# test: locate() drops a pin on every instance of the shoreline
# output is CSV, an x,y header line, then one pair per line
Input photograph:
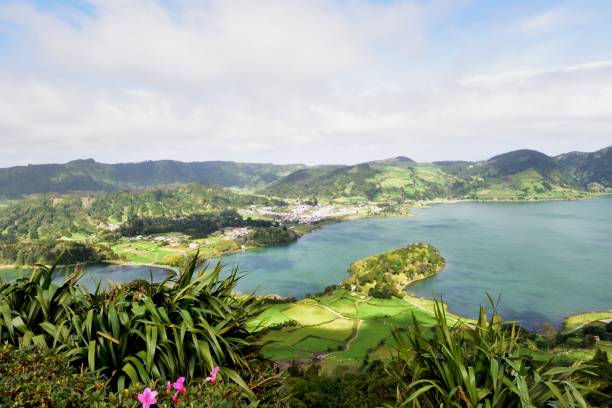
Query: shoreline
x,y
421,204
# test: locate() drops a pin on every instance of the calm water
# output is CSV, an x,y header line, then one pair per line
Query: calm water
x,y
547,260
100,272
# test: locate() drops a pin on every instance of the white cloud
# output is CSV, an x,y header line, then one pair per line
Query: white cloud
x,y
283,81
549,20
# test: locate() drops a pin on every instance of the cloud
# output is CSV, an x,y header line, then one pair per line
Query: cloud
x,y
549,20
284,81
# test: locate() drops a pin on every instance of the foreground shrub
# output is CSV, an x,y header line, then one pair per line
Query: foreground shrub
x,y
479,366
186,325
31,377
369,387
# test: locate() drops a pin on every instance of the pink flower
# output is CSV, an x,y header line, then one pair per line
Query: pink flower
x,y
168,386
179,385
147,398
213,376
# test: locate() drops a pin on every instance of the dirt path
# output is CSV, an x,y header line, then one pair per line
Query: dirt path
x,y
354,334
334,312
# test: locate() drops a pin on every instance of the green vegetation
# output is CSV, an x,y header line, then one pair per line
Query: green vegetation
x,y
88,175
147,252
575,321
46,252
388,274
262,237
519,175
447,362
339,328
89,228
64,346
194,225
32,377
101,215
367,182
457,365
137,333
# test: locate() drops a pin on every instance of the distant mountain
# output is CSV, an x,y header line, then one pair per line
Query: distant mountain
x,y
379,180
589,169
89,175
521,174
517,161
396,161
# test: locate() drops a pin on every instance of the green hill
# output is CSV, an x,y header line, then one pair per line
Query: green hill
x,y
52,216
389,273
377,181
91,176
521,174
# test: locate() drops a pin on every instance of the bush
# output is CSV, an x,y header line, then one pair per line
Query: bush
x,y
185,325
483,365
370,387
32,377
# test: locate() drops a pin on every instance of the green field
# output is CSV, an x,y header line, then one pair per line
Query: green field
x,y
146,252
153,252
346,329
575,321
338,329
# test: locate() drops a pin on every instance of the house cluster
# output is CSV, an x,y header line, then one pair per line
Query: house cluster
x,y
172,241
304,213
233,233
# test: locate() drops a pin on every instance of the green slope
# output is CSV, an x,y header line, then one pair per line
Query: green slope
x,y
399,178
88,175
53,216
522,174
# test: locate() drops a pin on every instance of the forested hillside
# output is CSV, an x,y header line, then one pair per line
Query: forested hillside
x,y
518,175
522,174
52,216
91,176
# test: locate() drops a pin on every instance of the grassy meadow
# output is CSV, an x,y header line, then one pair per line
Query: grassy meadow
x,y
338,329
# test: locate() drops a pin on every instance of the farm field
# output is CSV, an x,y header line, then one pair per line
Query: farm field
x,y
575,321
338,329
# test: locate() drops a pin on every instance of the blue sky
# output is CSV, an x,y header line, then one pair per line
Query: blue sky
x,y
312,81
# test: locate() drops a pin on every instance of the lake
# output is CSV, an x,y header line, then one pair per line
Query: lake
x,y
547,259
102,272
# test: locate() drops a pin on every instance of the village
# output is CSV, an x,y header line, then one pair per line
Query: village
x,y
309,214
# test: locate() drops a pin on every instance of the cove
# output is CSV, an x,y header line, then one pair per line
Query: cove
x,y
102,272
547,260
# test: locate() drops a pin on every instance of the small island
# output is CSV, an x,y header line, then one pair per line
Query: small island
x,y
386,275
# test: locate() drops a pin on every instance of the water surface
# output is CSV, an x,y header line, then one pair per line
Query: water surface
x,y
547,260
99,272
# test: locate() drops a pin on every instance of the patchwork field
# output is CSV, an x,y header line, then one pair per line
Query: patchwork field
x,y
574,322
338,329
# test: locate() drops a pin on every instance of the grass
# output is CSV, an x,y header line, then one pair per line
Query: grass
x,y
152,252
567,353
309,314
340,328
577,320
270,317
143,251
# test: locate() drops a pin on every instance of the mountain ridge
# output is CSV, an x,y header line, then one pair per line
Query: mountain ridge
x,y
402,176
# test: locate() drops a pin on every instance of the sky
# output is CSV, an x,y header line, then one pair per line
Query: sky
x,y
302,81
